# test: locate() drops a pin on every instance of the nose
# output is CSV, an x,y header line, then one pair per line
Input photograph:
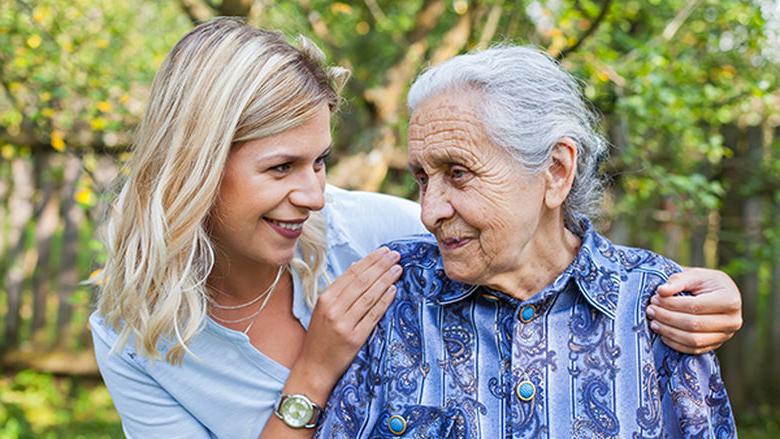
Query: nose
x,y
309,193
436,206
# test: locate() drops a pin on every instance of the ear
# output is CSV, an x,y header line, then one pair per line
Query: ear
x,y
560,174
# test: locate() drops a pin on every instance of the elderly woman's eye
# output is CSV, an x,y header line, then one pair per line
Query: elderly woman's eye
x,y
421,178
458,173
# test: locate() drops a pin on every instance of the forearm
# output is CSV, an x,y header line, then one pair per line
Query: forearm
x,y
308,379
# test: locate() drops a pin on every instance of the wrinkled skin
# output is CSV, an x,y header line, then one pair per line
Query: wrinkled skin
x,y
496,223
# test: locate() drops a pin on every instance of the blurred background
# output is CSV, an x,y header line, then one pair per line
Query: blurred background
x,y
688,90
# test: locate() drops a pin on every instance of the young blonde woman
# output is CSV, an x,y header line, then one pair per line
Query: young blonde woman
x,y
237,283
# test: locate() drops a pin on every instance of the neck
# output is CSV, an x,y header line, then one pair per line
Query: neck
x,y
552,249
236,280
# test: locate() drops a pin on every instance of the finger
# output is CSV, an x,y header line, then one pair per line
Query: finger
x,y
361,281
372,317
349,276
690,340
691,323
714,303
365,301
689,279
686,350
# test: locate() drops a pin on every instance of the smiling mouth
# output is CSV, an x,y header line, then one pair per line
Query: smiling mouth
x,y
454,243
292,226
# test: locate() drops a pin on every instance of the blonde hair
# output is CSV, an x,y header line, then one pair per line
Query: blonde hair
x,y
223,83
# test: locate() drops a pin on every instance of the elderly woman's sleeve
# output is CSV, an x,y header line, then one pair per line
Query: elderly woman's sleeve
x,y
353,405
695,399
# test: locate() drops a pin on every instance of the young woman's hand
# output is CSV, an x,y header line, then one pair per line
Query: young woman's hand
x,y
702,321
341,322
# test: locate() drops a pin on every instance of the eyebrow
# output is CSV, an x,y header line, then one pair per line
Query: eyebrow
x,y
290,157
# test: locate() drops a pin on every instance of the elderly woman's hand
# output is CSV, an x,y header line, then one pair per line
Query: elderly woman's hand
x,y
702,321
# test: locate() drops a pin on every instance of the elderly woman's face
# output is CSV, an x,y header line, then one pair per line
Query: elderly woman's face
x,y
481,205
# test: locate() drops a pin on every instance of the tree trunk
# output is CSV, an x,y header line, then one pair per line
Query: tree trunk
x,y
20,209
753,357
47,224
774,289
730,225
69,276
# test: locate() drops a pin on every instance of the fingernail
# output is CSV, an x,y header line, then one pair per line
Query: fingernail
x,y
396,269
391,255
655,326
650,311
392,289
655,300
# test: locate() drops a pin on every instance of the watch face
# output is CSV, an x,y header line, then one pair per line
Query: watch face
x,y
296,411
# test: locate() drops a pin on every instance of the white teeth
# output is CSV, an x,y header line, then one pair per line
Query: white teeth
x,y
288,226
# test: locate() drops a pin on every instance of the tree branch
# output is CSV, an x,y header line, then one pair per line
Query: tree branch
x,y
425,20
235,8
594,25
196,11
491,25
671,29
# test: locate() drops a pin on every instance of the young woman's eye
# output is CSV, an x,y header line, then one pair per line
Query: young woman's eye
x,y
284,168
321,161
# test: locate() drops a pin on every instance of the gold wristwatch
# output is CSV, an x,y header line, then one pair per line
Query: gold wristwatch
x,y
297,411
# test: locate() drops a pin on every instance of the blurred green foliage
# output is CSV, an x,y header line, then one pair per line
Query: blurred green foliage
x,y
39,405
672,79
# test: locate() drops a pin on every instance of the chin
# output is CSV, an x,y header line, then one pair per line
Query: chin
x,y
461,272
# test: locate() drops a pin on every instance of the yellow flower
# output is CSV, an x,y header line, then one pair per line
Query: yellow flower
x,y
104,106
7,152
57,140
98,123
341,8
34,41
83,196
41,13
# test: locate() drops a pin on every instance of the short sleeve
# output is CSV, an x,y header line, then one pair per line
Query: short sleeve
x,y
146,409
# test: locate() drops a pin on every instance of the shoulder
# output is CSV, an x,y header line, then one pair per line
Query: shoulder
x,y
366,219
619,279
419,250
628,261
424,278
101,331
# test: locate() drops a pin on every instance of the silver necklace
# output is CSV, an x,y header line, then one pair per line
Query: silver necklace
x,y
253,301
266,294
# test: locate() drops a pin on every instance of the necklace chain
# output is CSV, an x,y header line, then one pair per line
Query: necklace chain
x,y
256,299
264,295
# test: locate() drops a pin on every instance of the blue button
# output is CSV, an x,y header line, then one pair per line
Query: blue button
x,y
396,424
527,313
525,390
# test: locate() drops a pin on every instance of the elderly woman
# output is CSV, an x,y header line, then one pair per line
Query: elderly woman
x,y
517,319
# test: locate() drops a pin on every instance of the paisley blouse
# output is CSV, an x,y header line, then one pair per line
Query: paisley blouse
x,y
577,359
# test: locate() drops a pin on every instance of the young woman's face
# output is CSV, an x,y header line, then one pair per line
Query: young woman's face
x,y
270,187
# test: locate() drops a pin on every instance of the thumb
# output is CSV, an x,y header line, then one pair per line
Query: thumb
x,y
685,280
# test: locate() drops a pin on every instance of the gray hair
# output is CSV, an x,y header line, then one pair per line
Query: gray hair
x,y
530,103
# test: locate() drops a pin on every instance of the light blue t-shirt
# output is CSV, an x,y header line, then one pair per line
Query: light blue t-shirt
x,y
230,389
